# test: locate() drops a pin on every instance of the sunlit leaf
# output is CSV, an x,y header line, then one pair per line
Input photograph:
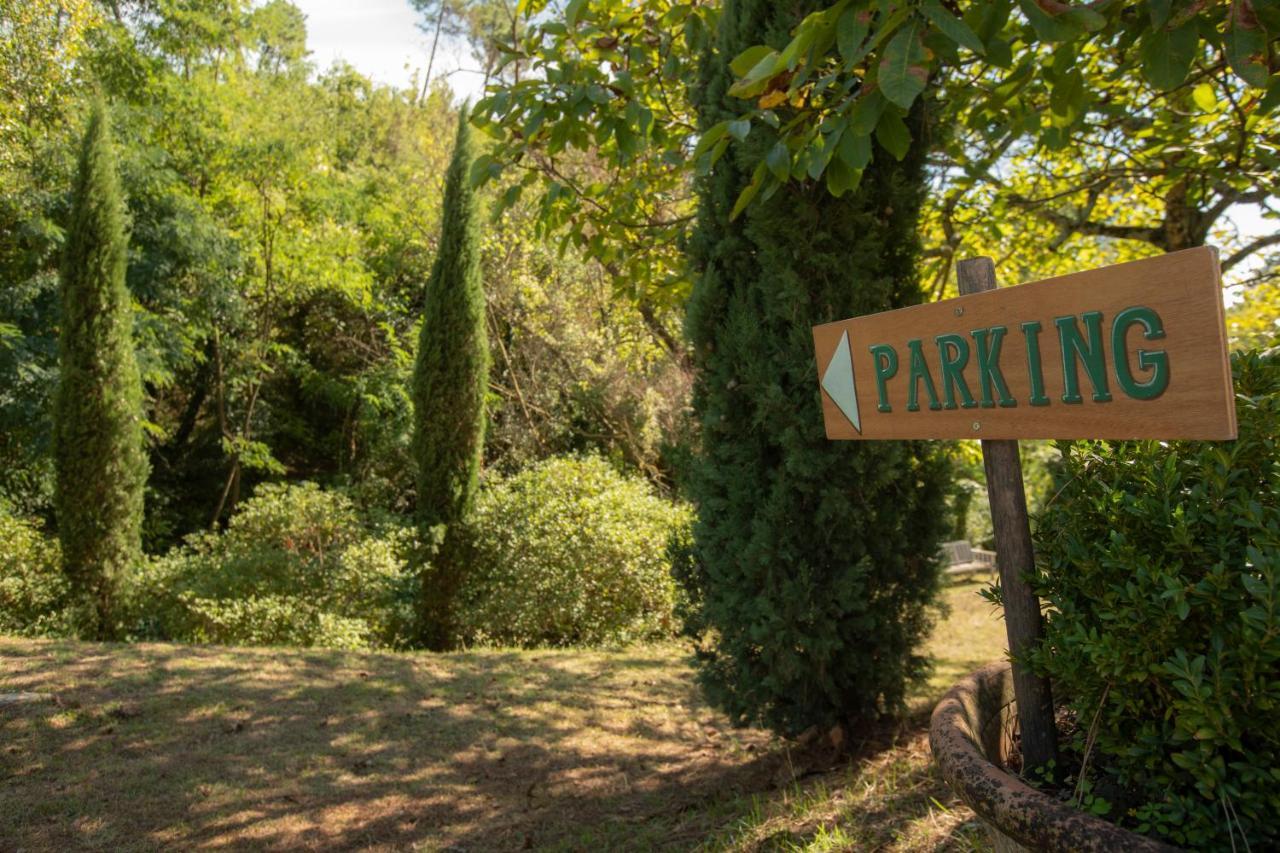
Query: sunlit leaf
x,y
1204,97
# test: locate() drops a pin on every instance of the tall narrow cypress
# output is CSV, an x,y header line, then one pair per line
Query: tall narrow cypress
x,y
100,462
450,380
816,559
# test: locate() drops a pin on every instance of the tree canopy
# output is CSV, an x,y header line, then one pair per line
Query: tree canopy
x,y
1114,129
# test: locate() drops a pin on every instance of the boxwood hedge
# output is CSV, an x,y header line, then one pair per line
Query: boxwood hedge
x,y
1160,569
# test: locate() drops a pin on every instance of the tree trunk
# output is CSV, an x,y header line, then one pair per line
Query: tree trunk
x,y
1184,225
435,41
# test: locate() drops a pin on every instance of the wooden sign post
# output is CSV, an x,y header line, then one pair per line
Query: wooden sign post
x,y
1129,351
1015,561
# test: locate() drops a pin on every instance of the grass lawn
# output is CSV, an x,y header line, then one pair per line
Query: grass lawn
x,y
141,747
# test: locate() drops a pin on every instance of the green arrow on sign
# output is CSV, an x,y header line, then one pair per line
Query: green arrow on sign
x,y
838,382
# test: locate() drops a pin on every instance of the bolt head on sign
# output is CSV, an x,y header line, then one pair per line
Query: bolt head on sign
x,y
1135,350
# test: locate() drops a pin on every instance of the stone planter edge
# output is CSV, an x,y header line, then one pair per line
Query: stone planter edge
x,y
968,738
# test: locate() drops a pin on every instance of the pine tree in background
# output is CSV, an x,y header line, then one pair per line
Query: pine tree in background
x,y
450,380
815,560
100,462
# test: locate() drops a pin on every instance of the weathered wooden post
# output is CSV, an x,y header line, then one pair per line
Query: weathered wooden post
x,y
1015,559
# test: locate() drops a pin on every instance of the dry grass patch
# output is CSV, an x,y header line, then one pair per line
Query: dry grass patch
x,y
144,747
888,796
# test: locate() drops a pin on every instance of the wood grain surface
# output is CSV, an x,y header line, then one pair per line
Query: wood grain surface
x,y
1181,289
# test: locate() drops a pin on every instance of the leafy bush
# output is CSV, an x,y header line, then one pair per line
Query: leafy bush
x,y
568,552
296,566
1161,568
33,590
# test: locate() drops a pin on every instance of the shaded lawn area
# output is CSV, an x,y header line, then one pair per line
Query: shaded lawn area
x,y
140,747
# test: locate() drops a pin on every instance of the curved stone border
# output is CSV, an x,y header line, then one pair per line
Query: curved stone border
x,y
968,735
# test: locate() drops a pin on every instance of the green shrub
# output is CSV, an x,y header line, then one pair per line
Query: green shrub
x,y
570,552
296,566
1161,569
33,590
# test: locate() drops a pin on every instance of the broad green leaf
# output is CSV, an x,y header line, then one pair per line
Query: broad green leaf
x,y
855,149
999,53
628,142
866,113
1049,29
902,72
851,33
757,79
1167,56
1271,100
779,161
893,135
1066,100
639,117
748,192
818,155
739,129
713,135
704,164
1246,49
841,179
511,196
1159,10
749,59
988,19
1086,19
535,121
483,168
572,11
952,27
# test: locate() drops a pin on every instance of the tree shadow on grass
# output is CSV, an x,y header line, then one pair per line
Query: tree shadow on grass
x,y
160,746
164,746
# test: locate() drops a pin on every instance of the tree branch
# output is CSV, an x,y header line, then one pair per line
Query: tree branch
x,y
1249,248
1229,196
1147,233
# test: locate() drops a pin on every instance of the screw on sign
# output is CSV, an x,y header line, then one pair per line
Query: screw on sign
x,y
1129,351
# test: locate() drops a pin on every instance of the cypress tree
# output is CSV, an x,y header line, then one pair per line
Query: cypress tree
x,y
815,560
100,462
450,380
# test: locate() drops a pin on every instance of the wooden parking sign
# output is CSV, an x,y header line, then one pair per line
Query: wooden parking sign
x,y
1135,350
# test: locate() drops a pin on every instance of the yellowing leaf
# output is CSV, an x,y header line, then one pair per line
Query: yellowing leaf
x,y
772,99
